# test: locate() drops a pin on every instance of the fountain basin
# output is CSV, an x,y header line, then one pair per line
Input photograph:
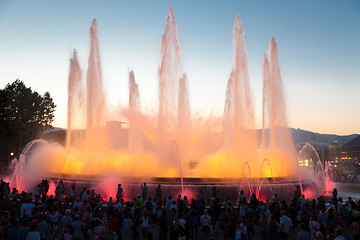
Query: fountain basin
x,y
193,188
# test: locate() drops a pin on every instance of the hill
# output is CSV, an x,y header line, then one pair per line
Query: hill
x,y
319,140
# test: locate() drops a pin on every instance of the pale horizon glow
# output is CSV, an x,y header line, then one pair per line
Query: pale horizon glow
x,y
318,46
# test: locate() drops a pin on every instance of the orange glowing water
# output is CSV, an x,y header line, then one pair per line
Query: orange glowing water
x,y
201,152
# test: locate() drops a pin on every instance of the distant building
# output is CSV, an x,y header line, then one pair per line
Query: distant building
x,y
344,160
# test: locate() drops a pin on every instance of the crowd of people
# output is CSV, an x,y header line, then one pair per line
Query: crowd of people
x,y
73,215
348,177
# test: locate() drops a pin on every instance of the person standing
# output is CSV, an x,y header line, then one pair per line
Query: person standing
x,y
286,225
323,219
297,193
145,224
164,226
276,198
144,191
43,228
263,226
78,227
126,227
14,233
158,193
61,186
303,234
33,234
205,221
334,194
119,194
242,196
213,194
37,192
272,232
223,224
67,220
72,194
26,209
314,226
139,202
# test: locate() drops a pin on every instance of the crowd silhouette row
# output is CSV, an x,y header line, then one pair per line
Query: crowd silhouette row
x,y
73,215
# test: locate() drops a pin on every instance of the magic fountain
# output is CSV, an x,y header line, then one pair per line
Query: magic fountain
x,y
170,145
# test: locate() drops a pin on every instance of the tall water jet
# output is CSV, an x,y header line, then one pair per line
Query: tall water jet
x,y
266,76
228,136
170,72
95,95
135,141
274,103
184,120
279,134
75,98
243,116
274,114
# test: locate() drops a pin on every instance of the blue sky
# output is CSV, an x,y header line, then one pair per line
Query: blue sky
x,y
318,41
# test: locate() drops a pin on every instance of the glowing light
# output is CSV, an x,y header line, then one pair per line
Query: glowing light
x,y
240,156
12,154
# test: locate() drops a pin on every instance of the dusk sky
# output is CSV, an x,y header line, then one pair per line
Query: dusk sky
x,y
318,42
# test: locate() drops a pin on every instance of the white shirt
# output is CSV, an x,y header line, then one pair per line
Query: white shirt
x,y
286,222
145,222
314,227
205,220
26,209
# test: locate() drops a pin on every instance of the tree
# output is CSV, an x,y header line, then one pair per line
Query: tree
x,y
23,115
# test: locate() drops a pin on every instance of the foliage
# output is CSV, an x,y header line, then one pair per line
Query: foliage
x,y
23,115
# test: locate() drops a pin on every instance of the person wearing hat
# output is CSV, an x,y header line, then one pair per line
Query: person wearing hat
x,y
67,220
